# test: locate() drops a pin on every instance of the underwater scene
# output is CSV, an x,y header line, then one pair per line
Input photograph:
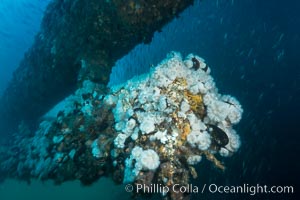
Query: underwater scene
x,y
149,99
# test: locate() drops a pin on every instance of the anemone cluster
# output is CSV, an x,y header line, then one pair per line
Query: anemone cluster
x,y
152,129
171,115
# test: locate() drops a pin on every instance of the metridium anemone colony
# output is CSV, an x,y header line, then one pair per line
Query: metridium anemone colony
x,y
174,112
152,129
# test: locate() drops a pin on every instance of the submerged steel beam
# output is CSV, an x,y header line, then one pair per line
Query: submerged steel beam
x,y
79,40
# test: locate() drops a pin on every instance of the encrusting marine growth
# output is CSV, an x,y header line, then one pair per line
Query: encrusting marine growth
x,y
153,129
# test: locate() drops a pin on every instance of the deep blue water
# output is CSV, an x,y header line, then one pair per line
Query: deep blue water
x,y
252,49
20,21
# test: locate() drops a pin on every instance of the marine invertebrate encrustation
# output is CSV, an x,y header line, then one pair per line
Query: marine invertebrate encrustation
x,y
176,106
152,129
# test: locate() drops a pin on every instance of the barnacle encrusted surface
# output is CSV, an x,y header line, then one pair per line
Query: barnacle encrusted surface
x,y
152,129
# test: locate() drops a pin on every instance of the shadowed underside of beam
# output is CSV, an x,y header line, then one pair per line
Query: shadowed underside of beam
x,y
79,40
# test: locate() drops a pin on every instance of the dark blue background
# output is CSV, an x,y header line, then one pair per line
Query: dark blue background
x,y
19,22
